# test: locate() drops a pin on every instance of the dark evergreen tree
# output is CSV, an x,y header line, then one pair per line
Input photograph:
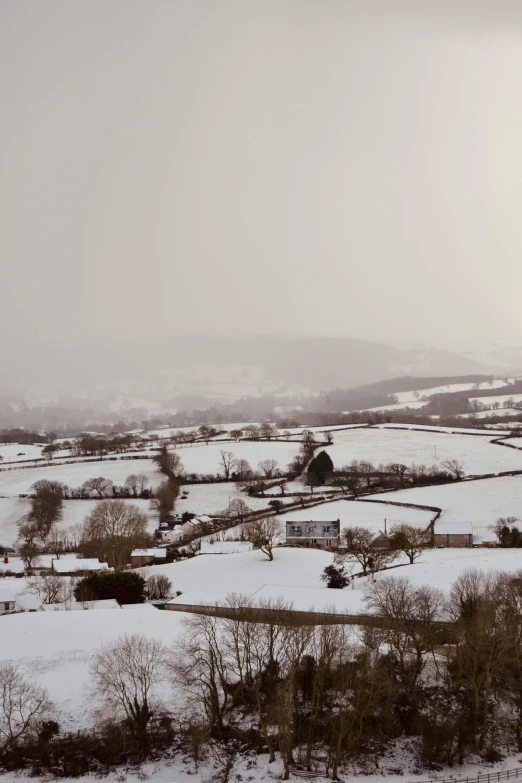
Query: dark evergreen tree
x,y
126,587
321,466
335,576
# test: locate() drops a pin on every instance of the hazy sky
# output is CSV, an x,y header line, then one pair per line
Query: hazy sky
x,y
319,167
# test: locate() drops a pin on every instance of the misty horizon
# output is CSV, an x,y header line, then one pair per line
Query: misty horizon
x,y
278,168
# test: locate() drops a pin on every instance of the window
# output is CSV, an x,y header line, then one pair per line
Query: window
x,y
328,542
7,606
314,541
326,529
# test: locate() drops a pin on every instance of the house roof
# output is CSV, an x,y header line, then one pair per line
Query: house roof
x,y
149,553
6,595
459,528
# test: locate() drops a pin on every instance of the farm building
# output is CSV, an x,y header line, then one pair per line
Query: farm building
x,y
320,534
452,534
224,547
78,567
170,536
11,602
145,557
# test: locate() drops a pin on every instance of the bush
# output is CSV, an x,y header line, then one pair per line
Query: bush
x,y
335,577
126,587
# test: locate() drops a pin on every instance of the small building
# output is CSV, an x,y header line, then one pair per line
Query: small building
x,y
225,547
452,534
71,566
320,534
145,557
12,602
7,602
170,536
381,541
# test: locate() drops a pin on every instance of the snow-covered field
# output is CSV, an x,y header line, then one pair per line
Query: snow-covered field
x,y
17,452
213,498
400,406
18,481
201,458
450,389
481,502
56,649
361,514
380,445
294,575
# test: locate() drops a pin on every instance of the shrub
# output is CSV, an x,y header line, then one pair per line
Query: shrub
x,y
335,576
126,587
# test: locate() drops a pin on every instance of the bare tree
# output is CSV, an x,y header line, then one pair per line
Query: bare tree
x,y
125,677
268,467
159,587
454,467
23,707
200,664
410,540
264,533
112,530
99,484
48,587
237,508
227,460
362,545
243,470
163,499
236,435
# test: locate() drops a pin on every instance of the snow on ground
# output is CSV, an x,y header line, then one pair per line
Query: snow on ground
x,y
353,513
56,649
437,428
18,481
500,412
516,442
294,576
450,389
255,768
246,572
399,406
380,445
74,511
16,452
214,498
201,458
481,502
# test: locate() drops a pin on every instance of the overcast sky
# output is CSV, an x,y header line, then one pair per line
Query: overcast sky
x,y
315,167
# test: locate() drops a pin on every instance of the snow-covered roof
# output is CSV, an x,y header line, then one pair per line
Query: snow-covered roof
x,y
149,553
103,603
6,596
203,518
84,564
224,547
443,528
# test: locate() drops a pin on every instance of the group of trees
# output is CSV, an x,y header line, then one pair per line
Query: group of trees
x,y
362,475
507,532
445,669
372,553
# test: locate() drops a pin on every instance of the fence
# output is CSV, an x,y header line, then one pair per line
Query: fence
x,y
489,777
